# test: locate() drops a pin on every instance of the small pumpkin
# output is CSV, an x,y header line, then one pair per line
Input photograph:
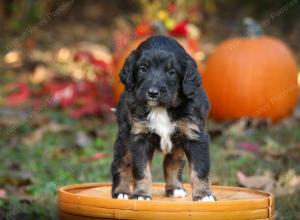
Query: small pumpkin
x,y
191,46
254,77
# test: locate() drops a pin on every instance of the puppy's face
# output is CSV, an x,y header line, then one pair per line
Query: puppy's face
x,y
160,72
157,78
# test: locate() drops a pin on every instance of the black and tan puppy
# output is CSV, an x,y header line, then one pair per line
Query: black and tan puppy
x,y
162,108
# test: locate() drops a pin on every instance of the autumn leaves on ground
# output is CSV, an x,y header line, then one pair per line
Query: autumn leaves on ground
x,y
56,95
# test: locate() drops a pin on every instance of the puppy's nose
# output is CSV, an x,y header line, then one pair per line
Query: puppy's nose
x,y
153,93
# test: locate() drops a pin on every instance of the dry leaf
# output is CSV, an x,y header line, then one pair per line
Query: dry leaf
x,y
3,194
288,183
96,156
250,147
261,182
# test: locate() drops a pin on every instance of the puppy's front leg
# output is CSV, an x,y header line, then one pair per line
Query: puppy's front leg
x,y
197,152
121,168
142,153
173,166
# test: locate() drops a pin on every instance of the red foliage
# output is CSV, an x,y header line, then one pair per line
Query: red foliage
x,y
20,96
142,30
81,98
180,29
84,97
171,7
249,146
62,93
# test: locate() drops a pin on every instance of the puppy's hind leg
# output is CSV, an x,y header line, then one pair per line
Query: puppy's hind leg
x,y
173,167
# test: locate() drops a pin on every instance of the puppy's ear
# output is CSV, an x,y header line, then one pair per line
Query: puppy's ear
x,y
126,74
191,81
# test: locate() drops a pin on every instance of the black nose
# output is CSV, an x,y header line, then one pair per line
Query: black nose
x,y
153,93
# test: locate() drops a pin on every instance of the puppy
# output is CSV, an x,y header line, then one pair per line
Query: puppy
x,y
162,108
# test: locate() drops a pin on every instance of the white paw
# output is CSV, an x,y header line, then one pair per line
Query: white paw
x,y
142,198
179,193
207,199
122,196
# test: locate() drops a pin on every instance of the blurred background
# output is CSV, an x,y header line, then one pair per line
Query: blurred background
x,y
59,81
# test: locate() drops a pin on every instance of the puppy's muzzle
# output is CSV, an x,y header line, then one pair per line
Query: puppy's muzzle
x,y
153,93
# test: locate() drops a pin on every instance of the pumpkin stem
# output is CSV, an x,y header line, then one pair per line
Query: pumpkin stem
x,y
251,28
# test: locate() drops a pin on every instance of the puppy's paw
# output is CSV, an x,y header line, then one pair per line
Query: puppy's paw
x,y
176,193
207,198
137,196
121,196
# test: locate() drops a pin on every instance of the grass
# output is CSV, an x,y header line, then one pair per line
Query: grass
x,y
32,173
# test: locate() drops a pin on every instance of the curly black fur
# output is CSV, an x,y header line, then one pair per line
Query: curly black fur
x,y
160,73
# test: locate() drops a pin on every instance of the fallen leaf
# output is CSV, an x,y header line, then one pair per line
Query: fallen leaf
x,y
250,147
261,182
288,183
3,194
96,156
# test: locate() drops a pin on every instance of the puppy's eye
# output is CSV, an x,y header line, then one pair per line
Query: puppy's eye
x,y
171,72
143,68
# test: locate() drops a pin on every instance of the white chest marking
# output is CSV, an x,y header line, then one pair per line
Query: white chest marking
x,y
160,123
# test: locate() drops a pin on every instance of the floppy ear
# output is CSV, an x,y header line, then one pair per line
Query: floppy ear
x,y
191,80
126,74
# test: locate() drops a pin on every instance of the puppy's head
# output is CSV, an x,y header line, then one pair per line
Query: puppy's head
x,y
160,72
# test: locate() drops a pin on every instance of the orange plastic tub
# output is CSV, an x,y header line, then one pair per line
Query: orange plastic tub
x,y
93,201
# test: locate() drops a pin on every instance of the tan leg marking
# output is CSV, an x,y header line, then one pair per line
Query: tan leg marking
x,y
173,165
125,175
144,186
200,186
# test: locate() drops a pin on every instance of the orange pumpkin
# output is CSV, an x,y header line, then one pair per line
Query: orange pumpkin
x,y
251,77
191,46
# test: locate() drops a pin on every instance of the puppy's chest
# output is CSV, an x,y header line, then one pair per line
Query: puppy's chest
x,y
160,123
